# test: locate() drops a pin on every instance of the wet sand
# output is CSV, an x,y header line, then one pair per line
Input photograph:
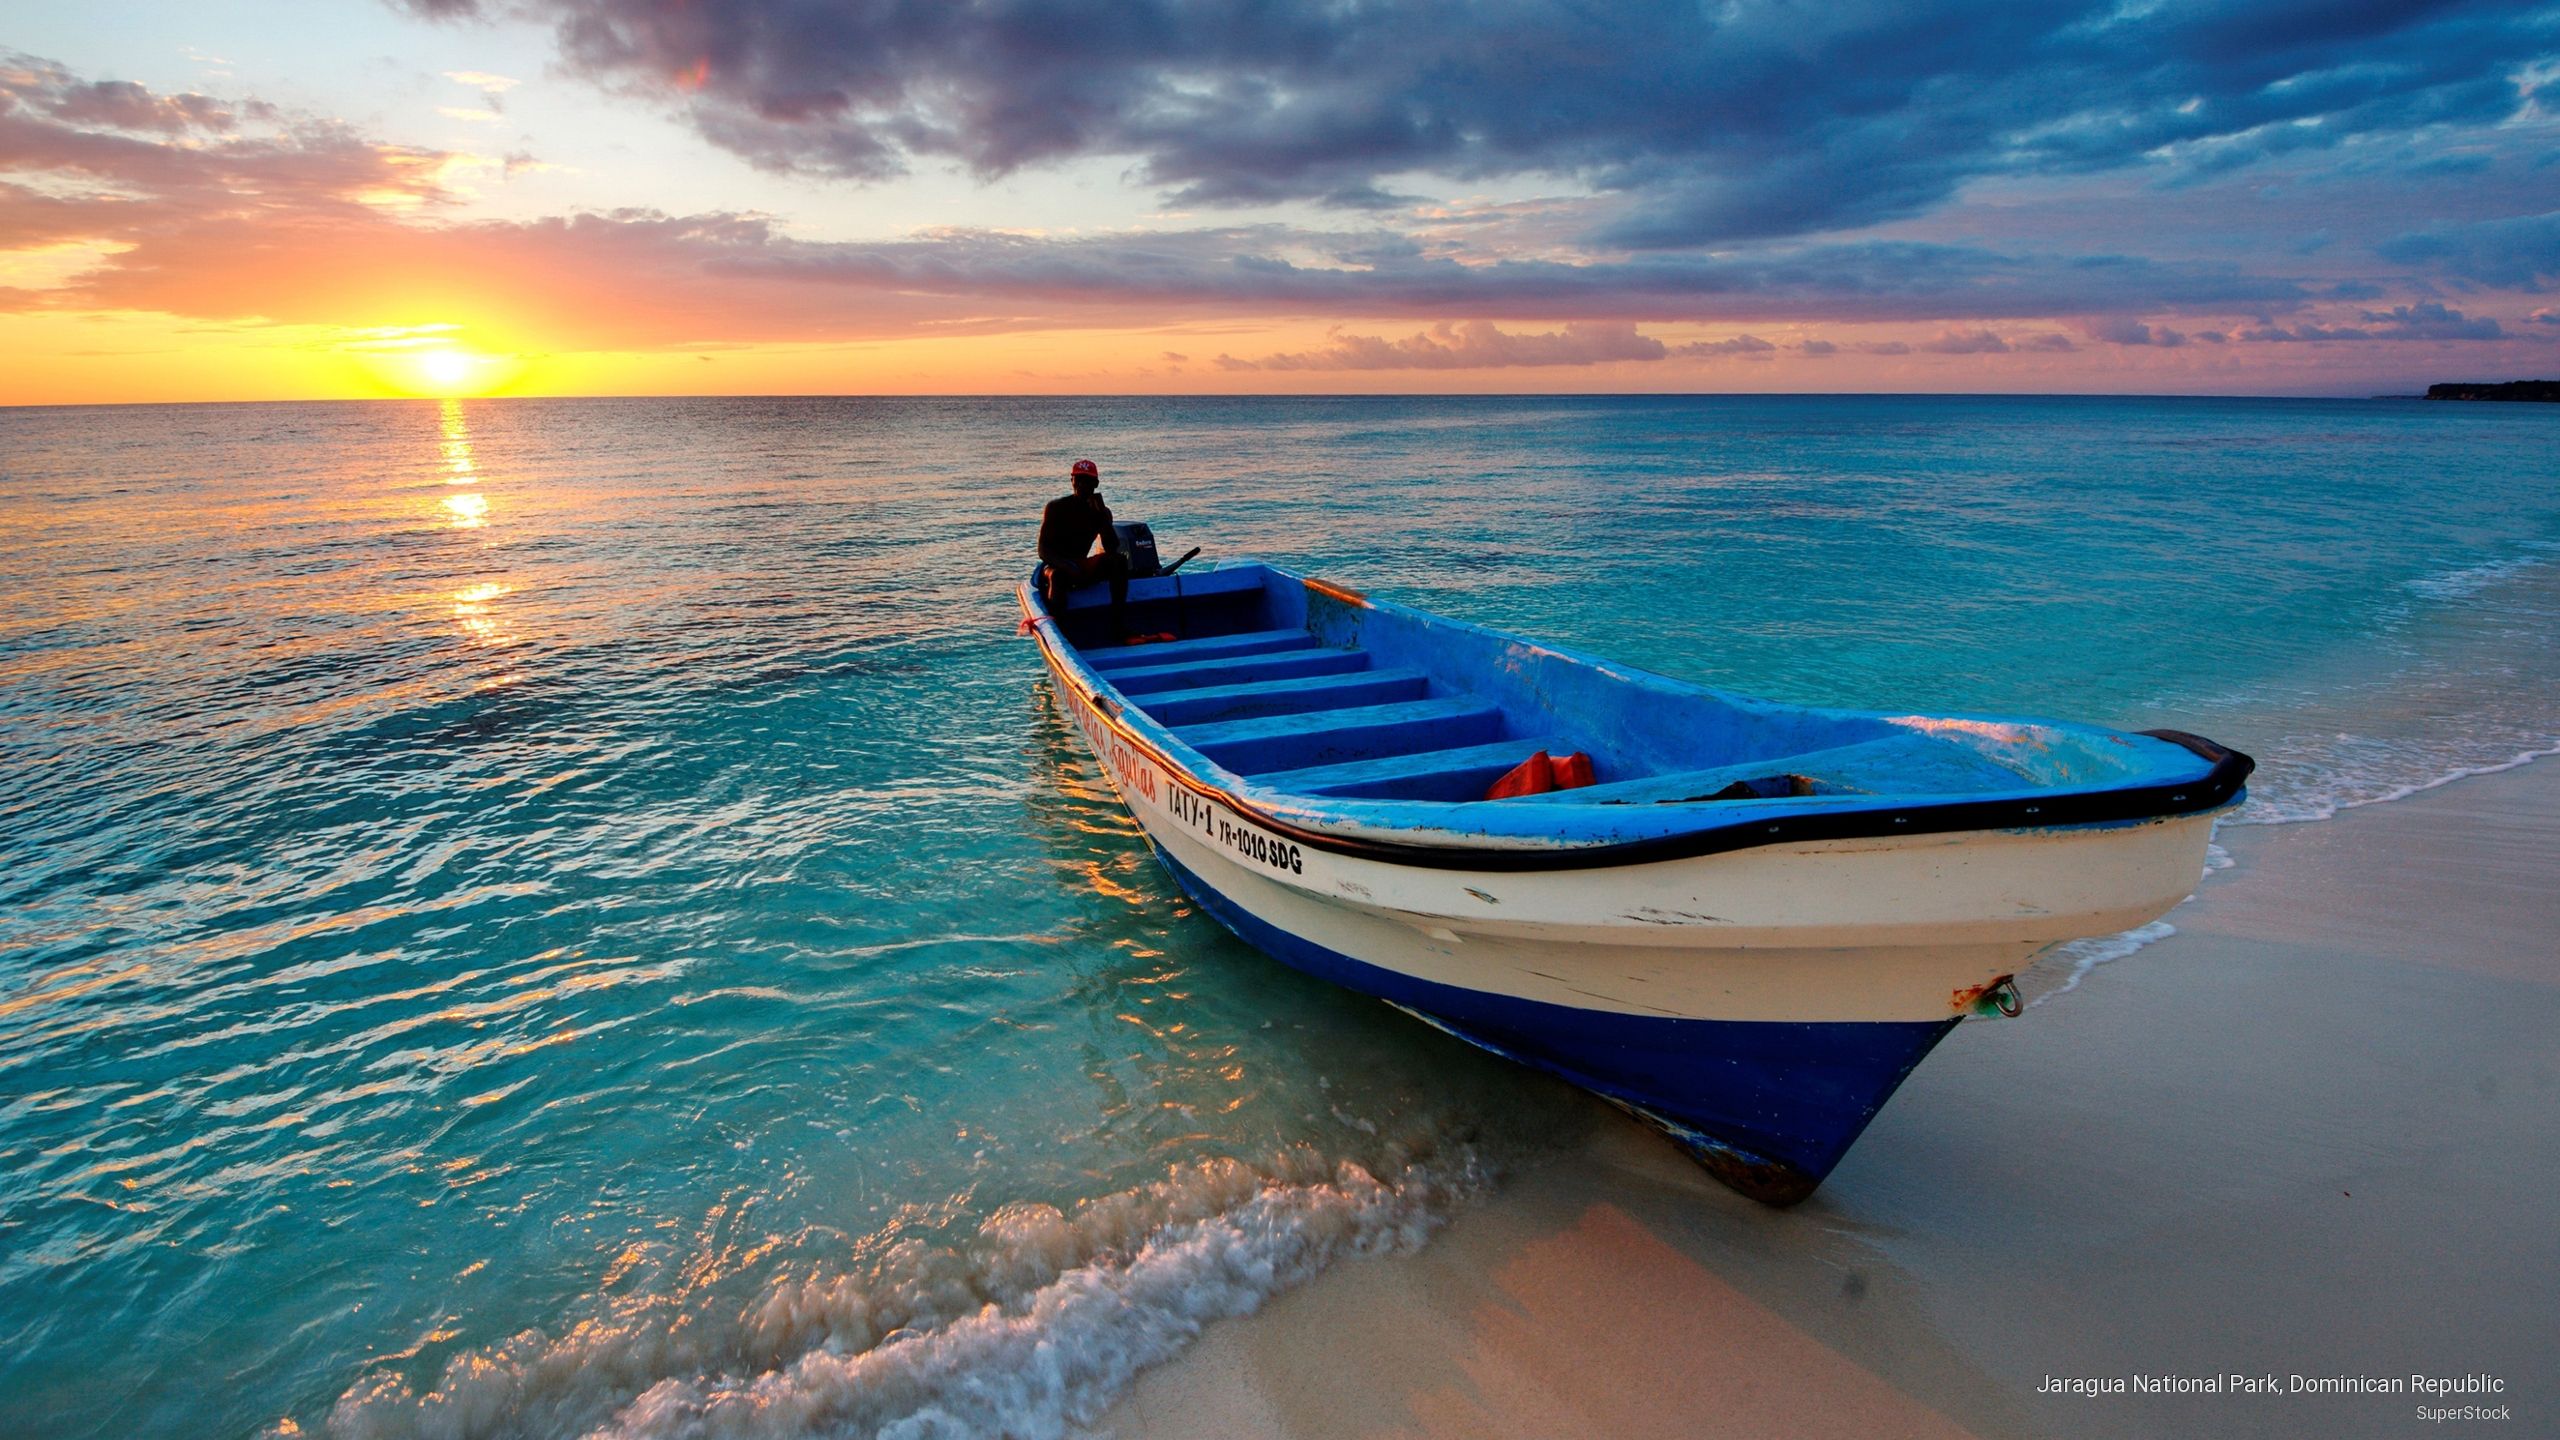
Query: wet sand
x,y
2315,1133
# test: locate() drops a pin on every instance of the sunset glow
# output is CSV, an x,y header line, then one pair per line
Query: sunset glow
x,y
2188,207
440,370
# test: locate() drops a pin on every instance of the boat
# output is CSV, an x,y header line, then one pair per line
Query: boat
x,y
1746,928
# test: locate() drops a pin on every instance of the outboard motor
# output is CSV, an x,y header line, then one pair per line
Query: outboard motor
x,y
1139,544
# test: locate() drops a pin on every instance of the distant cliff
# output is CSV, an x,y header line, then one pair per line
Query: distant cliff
x,y
2510,390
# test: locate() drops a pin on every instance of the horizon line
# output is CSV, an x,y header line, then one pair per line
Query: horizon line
x,y
1280,395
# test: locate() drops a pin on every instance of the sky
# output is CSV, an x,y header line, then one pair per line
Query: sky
x,y
290,199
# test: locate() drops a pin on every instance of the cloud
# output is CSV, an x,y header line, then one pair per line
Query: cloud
x,y
2426,320
2520,253
2121,330
1966,342
31,88
493,96
1749,120
240,212
1748,346
221,225
234,211
1986,342
122,156
2429,320
290,219
1270,267
1469,345
2301,334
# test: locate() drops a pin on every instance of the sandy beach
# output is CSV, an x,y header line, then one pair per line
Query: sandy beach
x,y
2315,1133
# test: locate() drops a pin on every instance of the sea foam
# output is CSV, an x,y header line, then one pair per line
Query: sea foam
x,y
2469,580
2331,784
1029,1331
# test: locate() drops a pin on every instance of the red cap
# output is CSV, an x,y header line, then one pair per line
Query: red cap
x,y
1085,467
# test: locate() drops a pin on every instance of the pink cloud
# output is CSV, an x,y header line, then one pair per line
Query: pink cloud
x,y
1966,342
1749,347
1469,345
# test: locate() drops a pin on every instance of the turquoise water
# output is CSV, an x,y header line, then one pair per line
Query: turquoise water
x,y
550,917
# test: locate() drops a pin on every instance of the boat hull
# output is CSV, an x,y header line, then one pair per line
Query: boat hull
x,y
1756,976
1759,1005
1768,1106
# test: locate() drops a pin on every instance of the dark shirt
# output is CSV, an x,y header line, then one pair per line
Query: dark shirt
x,y
1069,527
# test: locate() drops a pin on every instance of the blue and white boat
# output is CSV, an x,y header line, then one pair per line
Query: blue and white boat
x,y
1748,930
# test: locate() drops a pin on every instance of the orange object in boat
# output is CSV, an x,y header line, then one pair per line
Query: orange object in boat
x,y
1533,776
1572,771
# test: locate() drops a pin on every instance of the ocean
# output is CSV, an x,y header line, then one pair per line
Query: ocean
x,y
561,917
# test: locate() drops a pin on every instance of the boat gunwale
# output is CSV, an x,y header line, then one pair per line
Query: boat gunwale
x,y
2219,787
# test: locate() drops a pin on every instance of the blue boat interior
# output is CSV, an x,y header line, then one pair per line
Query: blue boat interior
x,y
1297,688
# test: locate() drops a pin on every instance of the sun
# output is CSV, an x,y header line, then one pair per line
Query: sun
x,y
448,372
437,361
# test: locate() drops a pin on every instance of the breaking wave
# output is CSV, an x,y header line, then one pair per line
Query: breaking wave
x,y
2470,580
2478,697
2060,970
2332,780
1030,1330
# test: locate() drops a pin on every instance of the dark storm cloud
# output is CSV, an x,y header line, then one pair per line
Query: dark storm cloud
x,y
1749,120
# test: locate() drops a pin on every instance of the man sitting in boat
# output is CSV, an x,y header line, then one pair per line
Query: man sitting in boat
x,y
1068,529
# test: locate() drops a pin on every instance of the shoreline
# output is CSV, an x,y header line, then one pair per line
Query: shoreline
x,y
2313,1133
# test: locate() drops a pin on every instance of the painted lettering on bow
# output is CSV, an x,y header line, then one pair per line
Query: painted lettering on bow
x,y
1129,770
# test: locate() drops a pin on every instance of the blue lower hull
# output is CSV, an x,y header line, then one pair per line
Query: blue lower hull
x,y
1768,1107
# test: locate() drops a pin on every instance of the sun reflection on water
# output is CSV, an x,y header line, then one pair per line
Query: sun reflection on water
x,y
469,511
472,609
476,608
